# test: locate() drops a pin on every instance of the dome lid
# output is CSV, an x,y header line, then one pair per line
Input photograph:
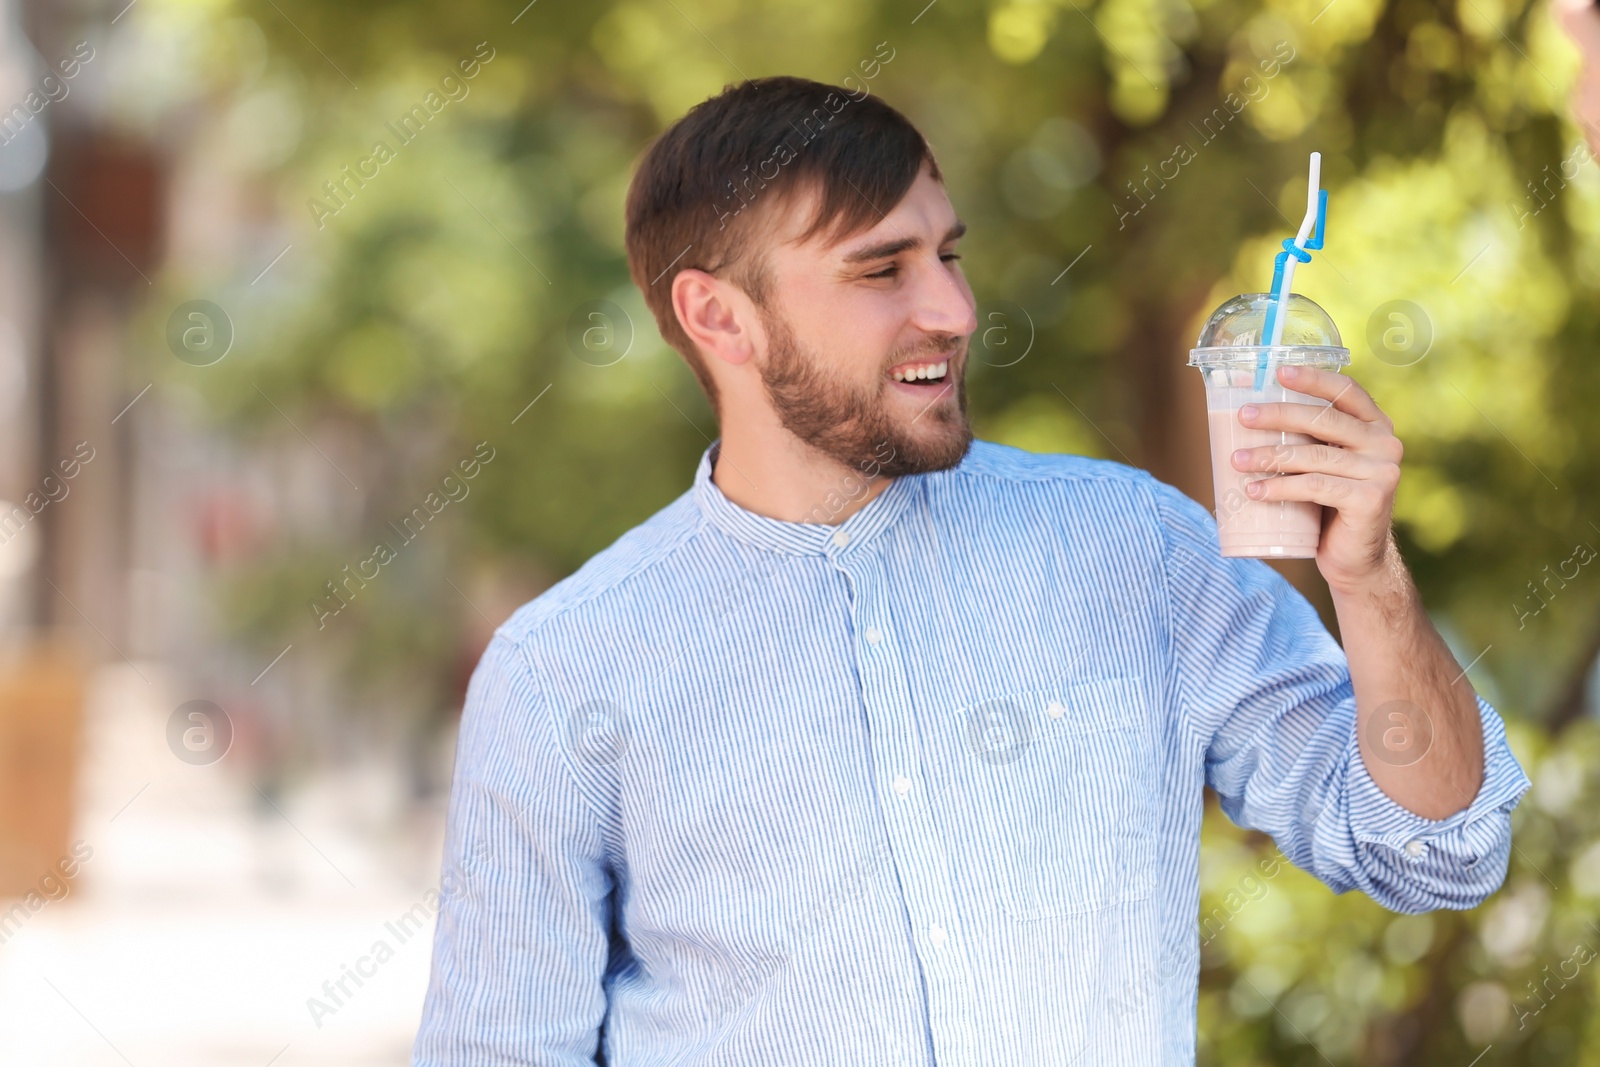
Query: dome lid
x,y
1308,332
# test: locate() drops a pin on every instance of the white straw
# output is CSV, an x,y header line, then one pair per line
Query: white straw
x,y
1306,226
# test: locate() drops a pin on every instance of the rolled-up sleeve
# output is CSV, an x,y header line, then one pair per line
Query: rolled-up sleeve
x,y
1436,863
1266,692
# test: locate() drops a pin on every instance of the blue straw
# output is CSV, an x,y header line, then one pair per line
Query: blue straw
x,y
1280,299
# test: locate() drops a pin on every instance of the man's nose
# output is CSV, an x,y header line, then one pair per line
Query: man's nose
x,y
945,305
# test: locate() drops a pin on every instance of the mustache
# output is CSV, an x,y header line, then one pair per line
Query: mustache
x,y
948,344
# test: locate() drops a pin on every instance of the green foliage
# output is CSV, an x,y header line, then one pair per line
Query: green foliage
x,y
1293,975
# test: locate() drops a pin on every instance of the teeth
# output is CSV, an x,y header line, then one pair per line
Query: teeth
x,y
917,374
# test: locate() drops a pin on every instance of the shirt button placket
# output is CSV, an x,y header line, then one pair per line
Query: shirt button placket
x,y
919,857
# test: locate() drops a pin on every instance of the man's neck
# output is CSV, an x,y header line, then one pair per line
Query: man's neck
x,y
787,479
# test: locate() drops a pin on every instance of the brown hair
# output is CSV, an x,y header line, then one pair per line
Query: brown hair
x,y
757,143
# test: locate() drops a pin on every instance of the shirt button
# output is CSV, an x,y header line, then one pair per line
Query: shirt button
x,y
902,784
1415,848
936,935
840,538
873,635
1054,709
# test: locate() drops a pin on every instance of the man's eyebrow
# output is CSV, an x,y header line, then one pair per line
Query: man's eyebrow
x,y
885,249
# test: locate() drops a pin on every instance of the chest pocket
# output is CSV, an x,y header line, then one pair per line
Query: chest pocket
x,y
1061,792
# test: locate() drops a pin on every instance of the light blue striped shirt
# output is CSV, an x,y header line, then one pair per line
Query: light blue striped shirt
x,y
922,787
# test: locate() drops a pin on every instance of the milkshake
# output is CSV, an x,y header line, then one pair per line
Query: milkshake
x,y
1228,355
1287,529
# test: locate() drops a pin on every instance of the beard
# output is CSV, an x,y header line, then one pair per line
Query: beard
x,y
854,428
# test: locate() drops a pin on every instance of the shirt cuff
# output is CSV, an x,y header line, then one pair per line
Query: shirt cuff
x,y
1376,818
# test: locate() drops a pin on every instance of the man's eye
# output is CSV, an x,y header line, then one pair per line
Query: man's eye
x,y
891,271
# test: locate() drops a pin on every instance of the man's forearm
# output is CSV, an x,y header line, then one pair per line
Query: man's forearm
x,y
1416,714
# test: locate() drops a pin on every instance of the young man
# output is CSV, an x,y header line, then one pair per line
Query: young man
x,y
884,746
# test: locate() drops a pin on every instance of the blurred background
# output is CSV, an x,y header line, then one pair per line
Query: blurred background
x,y
318,356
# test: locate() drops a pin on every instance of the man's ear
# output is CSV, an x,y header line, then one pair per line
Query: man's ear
x,y
716,315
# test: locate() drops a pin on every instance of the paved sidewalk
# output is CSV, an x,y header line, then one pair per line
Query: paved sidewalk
x,y
205,919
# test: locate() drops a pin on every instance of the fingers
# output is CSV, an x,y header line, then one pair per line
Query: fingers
x,y
1358,499
1317,458
1356,471
1314,420
1345,392
1327,424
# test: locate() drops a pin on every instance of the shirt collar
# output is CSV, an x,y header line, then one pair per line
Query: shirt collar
x,y
802,538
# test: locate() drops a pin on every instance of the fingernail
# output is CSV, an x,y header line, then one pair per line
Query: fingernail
x,y
1248,411
1241,455
1254,488
1290,372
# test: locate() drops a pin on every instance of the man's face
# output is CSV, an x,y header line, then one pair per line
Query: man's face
x,y
867,339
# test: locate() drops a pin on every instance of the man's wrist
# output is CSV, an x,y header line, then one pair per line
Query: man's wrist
x,y
1389,582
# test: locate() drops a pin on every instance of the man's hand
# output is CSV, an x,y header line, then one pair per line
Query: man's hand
x,y
1407,684
1355,473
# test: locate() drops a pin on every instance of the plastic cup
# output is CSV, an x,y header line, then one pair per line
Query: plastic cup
x,y
1227,357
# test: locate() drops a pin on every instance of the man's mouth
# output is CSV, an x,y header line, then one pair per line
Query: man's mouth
x,y
924,372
